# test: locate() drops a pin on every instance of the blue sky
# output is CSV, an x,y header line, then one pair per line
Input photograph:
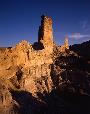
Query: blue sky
x,y
20,20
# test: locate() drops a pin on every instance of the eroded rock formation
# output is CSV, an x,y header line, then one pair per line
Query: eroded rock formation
x,y
7,104
45,33
65,46
30,72
30,67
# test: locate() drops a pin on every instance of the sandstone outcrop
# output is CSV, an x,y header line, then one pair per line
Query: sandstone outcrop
x,y
7,104
45,33
30,68
65,46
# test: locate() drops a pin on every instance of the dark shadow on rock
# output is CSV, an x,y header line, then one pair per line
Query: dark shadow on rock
x,y
67,103
55,102
72,93
72,72
28,104
38,46
83,50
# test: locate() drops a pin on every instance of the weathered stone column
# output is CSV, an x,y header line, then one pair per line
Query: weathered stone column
x,y
45,33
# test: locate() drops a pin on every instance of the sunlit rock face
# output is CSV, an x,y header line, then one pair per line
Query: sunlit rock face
x,y
7,104
45,33
30,67
65,46
26,64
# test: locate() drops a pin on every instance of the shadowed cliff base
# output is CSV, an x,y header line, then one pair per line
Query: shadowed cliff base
x,y
27,103
38,46
56,102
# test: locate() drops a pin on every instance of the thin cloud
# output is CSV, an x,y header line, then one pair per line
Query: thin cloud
x,y
85,25
79,36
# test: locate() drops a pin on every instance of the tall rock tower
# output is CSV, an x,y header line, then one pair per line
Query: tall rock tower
x,y
65,46
66,42
45,33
